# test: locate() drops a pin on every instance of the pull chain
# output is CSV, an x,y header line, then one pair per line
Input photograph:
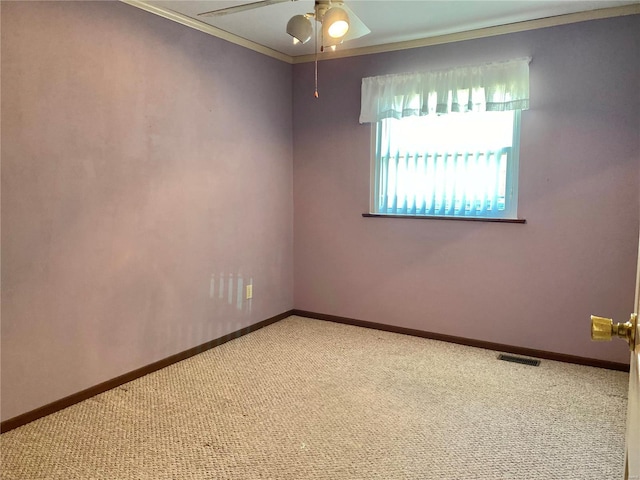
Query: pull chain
x,y
316,62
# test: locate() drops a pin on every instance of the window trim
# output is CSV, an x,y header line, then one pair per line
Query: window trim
x,y
464,219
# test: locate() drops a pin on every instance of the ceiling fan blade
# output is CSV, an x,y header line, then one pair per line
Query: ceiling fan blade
x,y
242,8
357,28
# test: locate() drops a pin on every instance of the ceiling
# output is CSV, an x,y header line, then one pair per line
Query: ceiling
x,y
390,21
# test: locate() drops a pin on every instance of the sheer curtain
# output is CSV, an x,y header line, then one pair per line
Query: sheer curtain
x,y
490,87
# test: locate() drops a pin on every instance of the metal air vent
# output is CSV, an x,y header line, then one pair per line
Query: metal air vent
x,y
525,361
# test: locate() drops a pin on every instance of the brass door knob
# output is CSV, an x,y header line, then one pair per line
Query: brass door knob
x,y
603,329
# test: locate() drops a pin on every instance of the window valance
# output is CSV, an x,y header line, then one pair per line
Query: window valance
x,y
489,87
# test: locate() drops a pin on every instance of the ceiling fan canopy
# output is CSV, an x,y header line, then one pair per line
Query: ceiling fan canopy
x,y
338,21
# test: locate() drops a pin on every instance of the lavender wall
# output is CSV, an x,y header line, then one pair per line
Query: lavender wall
x,y
147,168
140,160
531,285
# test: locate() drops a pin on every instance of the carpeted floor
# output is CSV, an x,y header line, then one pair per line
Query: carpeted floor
x,y
307,399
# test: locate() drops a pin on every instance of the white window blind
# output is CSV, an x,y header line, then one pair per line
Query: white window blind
x,y
454,165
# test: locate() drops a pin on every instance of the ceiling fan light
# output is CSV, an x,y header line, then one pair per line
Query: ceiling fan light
x,y
336,22
300,28
338,29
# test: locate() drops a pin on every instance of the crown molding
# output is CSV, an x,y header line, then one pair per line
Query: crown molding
x,y
569,18
209,29
479,33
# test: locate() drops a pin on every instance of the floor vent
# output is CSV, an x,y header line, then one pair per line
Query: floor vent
x,y
525,361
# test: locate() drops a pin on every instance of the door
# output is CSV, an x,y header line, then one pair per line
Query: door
x,y
632,457
604,329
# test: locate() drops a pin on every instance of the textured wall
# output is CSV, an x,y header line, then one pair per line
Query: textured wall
x,y
531,285
141,162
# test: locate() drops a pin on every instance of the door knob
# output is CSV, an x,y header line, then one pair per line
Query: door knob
x,y
603,329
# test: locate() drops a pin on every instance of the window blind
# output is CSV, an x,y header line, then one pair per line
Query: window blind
x,y
444,183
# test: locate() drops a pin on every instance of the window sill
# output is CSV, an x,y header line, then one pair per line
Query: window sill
x,y
464,219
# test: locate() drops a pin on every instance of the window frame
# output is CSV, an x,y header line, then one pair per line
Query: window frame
x,y
509,215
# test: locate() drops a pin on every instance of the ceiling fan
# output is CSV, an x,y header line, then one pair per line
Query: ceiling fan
x,y
338,21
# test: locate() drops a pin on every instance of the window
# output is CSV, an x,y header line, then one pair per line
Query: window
x,y
446,143
463,165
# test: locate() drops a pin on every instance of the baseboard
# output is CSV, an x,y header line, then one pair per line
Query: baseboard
x,y
72,399
530,352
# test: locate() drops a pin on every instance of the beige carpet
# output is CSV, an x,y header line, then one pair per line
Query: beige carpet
x,y
307,399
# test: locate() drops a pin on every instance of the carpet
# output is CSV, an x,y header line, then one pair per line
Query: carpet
x,y
309,399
